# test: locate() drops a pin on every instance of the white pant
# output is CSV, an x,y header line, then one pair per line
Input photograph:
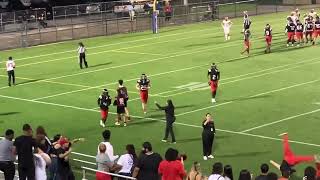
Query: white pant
x,y
226,30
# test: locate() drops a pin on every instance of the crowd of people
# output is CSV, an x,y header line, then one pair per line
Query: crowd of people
x,y
40,158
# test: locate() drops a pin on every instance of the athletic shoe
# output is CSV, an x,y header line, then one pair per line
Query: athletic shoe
x,y
102,124
205,158
213,100
292,45
124,124
164,140
210,157
145,113
283,134
288,45
117,124
174,142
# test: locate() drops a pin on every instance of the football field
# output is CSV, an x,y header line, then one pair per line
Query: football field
x,y
259,97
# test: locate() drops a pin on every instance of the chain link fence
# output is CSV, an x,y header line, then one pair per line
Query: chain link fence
x,y
22,29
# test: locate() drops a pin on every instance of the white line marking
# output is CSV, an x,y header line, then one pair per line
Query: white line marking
x,y
260,94
160,120
282,120
133,52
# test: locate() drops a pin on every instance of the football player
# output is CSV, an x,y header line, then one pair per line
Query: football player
x,y
213,76
143,85
226,25
290,30
104,102
316,31
299,32
268,36
246,38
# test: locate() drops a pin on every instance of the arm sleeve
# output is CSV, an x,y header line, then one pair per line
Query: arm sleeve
x,y
98,101
161,108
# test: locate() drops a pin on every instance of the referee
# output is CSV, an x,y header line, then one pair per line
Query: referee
x,y
208,136
82,55
10,65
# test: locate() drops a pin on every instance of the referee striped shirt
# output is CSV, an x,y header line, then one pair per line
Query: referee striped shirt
x,y
81,49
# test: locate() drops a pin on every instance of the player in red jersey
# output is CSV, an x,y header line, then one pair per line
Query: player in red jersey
x,y
104,102
143,85
120,102
268,35
316,31
290,30
213,76
299,32
246,35
290,159
308,29
123,90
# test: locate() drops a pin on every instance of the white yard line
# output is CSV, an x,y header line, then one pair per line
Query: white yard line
x,y
228,82
160,120
260,94
281,120
212,29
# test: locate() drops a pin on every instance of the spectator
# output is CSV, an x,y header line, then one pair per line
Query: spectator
x,y
285,174
131,11
43,142
195,172
104,164
272,176
106,136
53,168
23,147
168,11
310,173
245,175
217,171
148,164
172,168
41,161
264,171
126,162
317,160
64,169
227,172
6,156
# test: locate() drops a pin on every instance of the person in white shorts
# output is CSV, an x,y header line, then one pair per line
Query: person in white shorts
x,y
226,25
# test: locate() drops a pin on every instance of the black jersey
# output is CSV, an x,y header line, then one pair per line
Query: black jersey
x,y
309,26
268,31
120,101
214,74
291,27
123,90
300,27
104,102
144,84
317,25
246,35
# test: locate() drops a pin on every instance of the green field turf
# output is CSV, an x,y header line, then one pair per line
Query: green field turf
x,y
271,93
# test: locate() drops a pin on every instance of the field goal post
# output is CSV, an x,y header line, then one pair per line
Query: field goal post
x,y
155,27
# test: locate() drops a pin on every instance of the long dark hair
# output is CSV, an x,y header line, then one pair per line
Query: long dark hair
x,y
131,150
228,172
170,104
244,175
81,44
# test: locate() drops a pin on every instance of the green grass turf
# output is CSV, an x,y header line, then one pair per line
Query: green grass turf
x,y
253,91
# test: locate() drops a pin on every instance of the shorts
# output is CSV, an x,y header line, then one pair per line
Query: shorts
x,y
104,113
214,86
316,33
226,30
290,35
247,44
269,40
299,35
144,96
121,110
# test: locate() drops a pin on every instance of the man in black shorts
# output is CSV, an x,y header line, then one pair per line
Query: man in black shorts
x,y
120,102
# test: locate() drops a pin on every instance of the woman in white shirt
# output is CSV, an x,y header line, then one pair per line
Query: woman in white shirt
x,y
126,162
41,161
82,55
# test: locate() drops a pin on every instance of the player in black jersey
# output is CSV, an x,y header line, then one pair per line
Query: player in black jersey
x,y
308,29
246,40
316,32
268,36
123,90
213,76
104,102
143,85
120,102
299,32
290,30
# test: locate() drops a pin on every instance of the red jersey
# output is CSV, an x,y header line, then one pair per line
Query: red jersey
x,y
291,27
171,170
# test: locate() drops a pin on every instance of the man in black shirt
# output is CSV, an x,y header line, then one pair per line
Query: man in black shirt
x,y
264,172
64,168
148,164
23,147
104,102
